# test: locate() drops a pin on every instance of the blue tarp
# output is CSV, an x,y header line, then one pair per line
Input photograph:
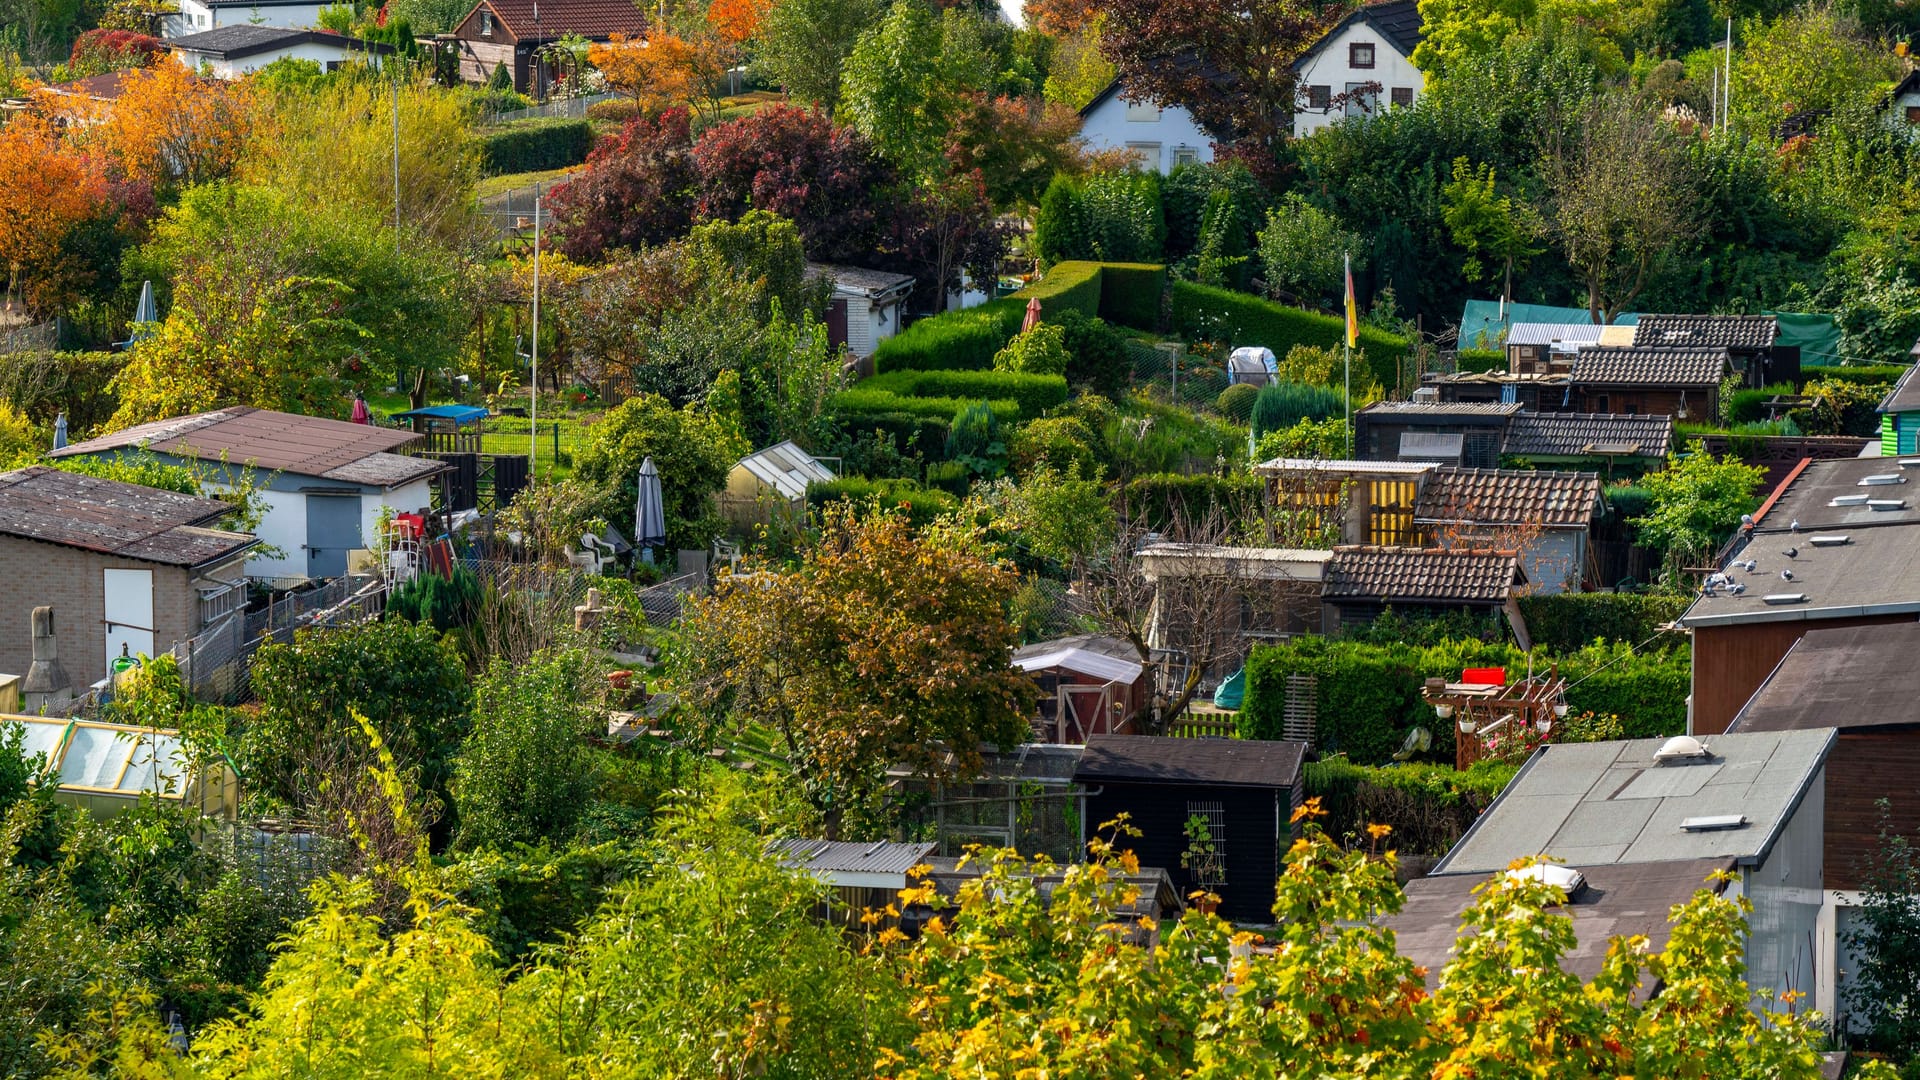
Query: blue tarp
x,y
459,414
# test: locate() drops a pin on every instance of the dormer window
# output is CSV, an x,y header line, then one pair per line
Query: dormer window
x,y
1360,54
486,23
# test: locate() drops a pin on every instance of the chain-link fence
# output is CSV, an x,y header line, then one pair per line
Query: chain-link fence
x,y
1171,374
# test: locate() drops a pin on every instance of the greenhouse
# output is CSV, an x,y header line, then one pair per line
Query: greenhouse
x,y
107,767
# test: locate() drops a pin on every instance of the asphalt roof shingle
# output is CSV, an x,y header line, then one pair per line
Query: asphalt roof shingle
x,y
1582,434
1707,331
1850,677
276,441
87,512
1422,575
1509,497
1606,365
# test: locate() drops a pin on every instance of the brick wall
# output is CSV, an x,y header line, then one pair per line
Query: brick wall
x,y
33,574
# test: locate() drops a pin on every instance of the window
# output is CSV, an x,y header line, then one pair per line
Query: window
x,y
1913,114
1207,868
1147,152
1402,96
1186,155
1600,404
1363,99
1143,112
486,24
1320,97
1360,54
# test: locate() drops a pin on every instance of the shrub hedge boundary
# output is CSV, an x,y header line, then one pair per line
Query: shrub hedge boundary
x,y
1200,310
1124,293
1032,394
531,145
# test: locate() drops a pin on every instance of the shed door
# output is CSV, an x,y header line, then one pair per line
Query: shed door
x,y
837,323
333,529
128,613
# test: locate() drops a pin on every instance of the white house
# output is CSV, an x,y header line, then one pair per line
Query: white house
x,y
324,482
233,51
194,16
1161,137
867,305
1360,66
1902,105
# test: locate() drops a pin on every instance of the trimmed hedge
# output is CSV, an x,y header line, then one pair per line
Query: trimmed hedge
x,y
956,341
908,432
860,403
1479,361
1429,806
1032,394
1068,286
1131,294
1368,695
923,504
1161,497
1199,311
529,145
1568,622
1860,374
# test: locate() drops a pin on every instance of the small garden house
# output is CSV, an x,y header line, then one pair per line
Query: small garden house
x,y
769,483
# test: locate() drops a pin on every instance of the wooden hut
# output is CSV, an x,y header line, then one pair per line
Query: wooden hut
x,y
1090,684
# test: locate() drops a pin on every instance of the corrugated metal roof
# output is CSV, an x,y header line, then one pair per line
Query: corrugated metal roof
x,y
1422,575
58,507
1596,804
840,856
1537,333
1235,762
1262,564
264,439
1431,446
1509,497
1341,467
1102,658
786,469
1398,409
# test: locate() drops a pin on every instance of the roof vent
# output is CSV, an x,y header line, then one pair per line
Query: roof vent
x,y
1847,500
1910,463
1714,823
1681,748
1886,504
1877,479
1779,598
1565,878
1830,540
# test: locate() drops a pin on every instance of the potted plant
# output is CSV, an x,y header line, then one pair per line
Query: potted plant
x,y
1201,860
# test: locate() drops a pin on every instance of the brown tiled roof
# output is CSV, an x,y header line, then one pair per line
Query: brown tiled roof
x,y
107,516
1242,762
558,18
276,441
1508,497
1422,575
1577,434
1706,331
1603,365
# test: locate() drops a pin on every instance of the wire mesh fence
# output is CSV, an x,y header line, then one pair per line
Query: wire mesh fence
x,y
1169,373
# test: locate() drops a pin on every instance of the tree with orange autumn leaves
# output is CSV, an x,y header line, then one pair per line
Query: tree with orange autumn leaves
x,y
168,127
46,190
668,69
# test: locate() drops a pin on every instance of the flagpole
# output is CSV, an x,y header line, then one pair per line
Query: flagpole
x,y
1347,398
533,402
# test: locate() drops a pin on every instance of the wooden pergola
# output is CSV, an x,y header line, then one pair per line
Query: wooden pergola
x,y
1485,714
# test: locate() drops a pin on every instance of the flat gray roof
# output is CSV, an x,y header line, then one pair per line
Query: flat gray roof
x,y
1599,804
1873,572
1810,498
1849,678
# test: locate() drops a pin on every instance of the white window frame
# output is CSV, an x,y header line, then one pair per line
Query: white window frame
x,y
1143,112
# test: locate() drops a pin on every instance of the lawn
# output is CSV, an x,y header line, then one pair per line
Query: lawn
x,y
490,186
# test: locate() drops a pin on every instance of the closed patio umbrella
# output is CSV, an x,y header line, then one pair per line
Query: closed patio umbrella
x,y
649,512
1033,315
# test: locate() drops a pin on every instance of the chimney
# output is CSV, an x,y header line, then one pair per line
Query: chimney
x,y
46,687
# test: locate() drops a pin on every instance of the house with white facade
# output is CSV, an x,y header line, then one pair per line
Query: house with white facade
x,y
1361,66
193,16
1161,137
231,52
324,483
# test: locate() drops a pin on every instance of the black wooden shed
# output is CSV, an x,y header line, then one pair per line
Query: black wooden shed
x,y
1244,789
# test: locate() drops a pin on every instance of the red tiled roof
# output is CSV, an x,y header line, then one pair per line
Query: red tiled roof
x,y
536,20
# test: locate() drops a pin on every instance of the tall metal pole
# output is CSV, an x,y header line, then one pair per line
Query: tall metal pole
x,y
1726,97
533,411
396,159
1346,337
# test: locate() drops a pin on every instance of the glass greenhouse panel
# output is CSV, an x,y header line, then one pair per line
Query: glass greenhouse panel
x,y
95,758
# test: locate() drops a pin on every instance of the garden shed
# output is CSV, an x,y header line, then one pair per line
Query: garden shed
x,y
770,482
1022,798
1243,791
106,768
867,308
1090,684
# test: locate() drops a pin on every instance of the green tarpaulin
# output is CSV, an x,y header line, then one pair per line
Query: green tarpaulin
x,y
1482,326
1232,692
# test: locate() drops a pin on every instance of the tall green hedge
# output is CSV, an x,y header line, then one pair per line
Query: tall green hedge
x,y
1567,622
1068,286
1479,361
1131,293
860,404
908,432
1368,695
1429,806
955,341
1031,394
1159,498
923,504
530,145
1204,311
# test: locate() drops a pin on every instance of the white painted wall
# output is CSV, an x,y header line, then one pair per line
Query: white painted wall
x,y
1329,68
195,16
867,324
321,54
406,499
282,526
1783,946
1162,137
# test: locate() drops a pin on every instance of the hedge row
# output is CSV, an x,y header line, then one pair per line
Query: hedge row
x,y
1429,806
923,504
1568,622
1160,498
1368,695
1124,293
1479,361
1860,374
1200,311
1032,394
529,145
907,431
860,403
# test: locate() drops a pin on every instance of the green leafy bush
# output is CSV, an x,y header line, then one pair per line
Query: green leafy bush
x,y
923,504
1429,807
530,145
862,405
1096,353
1236,401
1064,442
951,477
1322,439
1747,405
1566,622
524,774
907,433
1039,351
42,385
1202,312
1479,361
1280,406
1161,498
1863,374
442,602
1110,216
975,433
956,341
1031,394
